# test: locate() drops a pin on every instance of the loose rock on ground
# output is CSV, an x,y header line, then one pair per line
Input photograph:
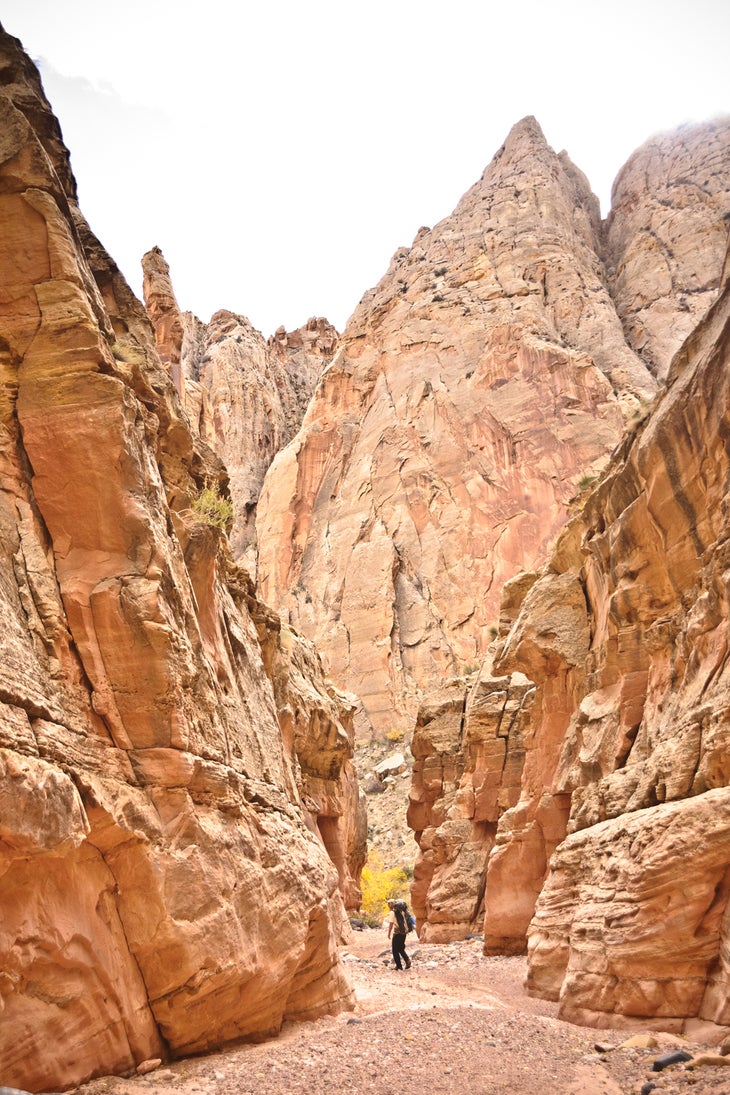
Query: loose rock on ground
x,y
456,1021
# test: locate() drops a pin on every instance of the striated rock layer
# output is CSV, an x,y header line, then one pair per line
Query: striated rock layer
x,y
244,396
172,765
475,387
625,635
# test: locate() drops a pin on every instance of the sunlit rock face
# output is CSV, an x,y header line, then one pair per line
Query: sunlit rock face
x,y
165,880
245,396
627,755
482,379
666,237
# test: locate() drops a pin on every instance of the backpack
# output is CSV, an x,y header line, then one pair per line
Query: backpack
x,y
404,918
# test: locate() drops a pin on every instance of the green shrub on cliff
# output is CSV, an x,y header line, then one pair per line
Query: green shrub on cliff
x,y
209,507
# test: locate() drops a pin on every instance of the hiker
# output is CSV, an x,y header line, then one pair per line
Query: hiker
x,y
398,928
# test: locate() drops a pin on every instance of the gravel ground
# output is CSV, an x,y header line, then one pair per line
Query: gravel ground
x,y
455,1021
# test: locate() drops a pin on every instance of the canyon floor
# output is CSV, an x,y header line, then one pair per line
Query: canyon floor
x,y
456,1021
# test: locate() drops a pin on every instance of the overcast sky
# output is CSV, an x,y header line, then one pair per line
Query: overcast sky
x,y
279,152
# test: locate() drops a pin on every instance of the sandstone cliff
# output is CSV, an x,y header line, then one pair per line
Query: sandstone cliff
x,y
627,766
466,775
475,387
599,781
468,750
666,236
244,396
172,764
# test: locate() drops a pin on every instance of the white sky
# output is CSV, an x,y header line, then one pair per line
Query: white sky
x,y
279,152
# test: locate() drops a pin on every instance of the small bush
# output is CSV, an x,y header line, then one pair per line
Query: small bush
x,y
209,507
394,734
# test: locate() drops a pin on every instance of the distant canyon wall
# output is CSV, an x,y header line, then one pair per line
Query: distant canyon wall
x,y
174,768
245,396
477,389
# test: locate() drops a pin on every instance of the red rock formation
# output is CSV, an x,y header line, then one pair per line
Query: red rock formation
x,y
165,887
666,237
677,187
475,386
468,752
245,397
317,729
164,313
625,636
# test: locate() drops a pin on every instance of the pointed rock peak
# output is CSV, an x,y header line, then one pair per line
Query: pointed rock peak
x,y
157,290
154,261
164,313
528,129
525,139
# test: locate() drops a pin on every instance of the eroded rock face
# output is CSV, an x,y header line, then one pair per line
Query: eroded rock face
x,y
162,308
632,921
625,637
316,722
475,386
165,886
244,396
468,752
666,237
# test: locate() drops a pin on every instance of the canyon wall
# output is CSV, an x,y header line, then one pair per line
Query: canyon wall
x,y
672,201
468,749
244,396
474,389
602,843
631,718
173,766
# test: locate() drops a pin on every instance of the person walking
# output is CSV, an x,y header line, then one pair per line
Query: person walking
x,y
397,929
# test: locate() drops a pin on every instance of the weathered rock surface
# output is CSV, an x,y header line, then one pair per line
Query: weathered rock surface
x,y
475,387
244,396
165,883
166,318
317,729
632,921
468,753
666,237
625,637
387,512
